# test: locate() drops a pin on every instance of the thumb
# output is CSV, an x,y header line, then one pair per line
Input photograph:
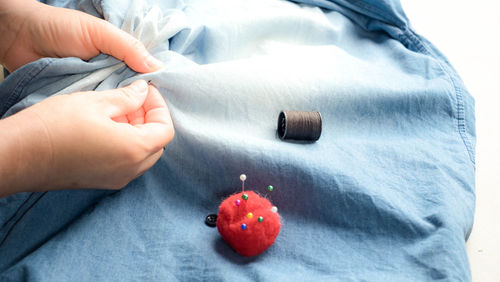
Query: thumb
x,y
111,40
121,101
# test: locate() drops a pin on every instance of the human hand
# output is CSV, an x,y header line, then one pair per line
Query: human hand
x,y
85,140
32,30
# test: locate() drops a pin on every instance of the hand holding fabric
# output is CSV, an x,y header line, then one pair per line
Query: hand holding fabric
x,y
84,140
32,30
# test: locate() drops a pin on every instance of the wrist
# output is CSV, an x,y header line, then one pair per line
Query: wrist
x,y
25,154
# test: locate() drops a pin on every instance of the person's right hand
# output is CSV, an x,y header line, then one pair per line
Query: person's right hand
x,y
87,139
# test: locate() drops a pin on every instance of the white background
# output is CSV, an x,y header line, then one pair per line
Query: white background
x,y
468,33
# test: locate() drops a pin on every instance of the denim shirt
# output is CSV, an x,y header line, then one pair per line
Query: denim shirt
x,y
386,193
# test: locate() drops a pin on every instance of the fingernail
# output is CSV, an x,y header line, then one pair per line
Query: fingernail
x,y
140,86
153,64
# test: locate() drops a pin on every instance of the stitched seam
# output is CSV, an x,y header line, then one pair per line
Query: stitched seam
x,y
19,219
16,212
368,9
408,36
451,77
358,7
26,79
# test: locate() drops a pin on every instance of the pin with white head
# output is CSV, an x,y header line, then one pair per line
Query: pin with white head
x,y
237,203
243,178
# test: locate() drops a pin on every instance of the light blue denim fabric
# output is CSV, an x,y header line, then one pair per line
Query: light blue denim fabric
x,y
386,193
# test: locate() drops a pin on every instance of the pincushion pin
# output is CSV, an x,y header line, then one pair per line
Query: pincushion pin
x,y
243,177
237,203
269,189
274,209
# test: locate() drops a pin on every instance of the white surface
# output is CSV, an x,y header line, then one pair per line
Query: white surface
x,y
468,33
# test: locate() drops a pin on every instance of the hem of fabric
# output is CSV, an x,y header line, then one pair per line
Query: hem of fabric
x,y
455,82
410,38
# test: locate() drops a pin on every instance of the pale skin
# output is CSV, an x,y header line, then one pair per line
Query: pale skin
x,y
82,140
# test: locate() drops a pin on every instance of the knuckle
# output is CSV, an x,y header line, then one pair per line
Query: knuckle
x,y
136,44
126,92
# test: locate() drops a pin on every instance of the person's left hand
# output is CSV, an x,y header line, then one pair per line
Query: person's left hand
x,y
32,30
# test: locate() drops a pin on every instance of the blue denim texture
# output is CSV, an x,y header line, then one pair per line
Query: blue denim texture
x,y
386,193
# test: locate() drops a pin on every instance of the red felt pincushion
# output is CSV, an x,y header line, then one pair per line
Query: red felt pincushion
x,y
255,236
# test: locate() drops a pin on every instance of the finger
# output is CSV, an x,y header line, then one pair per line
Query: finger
x,y
136,117
155,108
158,128
149,162
121,119
111,40
157,134
123,101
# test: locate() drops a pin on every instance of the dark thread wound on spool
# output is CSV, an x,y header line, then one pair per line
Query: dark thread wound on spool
x,y
299,125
